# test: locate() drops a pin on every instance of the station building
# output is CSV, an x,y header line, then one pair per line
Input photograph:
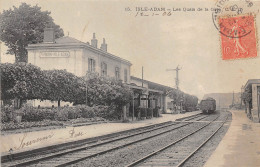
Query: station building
x,y
253,107
79,57
76,57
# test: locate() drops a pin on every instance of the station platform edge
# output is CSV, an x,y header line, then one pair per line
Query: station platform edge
x,y
240,147
23,142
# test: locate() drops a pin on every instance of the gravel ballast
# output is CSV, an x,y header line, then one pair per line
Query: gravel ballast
x,y
131,153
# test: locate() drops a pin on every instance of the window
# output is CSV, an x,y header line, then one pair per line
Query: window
x,y
91,65
103,69
117,73
125,75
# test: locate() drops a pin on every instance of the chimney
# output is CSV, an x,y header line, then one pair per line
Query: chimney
x,y
94,41
104,45
48,35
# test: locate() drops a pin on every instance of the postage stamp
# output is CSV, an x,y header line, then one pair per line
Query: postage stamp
x,y
235,22
238,37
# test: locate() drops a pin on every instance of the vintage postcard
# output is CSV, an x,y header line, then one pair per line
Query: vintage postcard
x,y
130,83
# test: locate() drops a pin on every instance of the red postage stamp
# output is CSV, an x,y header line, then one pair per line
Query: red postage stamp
x,y
238,37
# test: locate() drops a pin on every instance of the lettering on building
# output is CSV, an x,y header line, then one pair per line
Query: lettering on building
x,y
55,54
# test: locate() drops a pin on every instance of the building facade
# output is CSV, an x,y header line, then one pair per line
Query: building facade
x,y
253,107
77,57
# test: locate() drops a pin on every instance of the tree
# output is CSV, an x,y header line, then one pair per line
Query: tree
x,y
23,82
62,85
25,25
28,82
107,91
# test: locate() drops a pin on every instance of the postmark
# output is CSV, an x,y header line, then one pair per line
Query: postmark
x,y
236,25
231,9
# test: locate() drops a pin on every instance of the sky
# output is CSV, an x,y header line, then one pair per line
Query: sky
x,y
185,38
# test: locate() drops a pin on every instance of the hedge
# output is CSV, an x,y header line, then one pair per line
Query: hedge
x,y
32,114
26,82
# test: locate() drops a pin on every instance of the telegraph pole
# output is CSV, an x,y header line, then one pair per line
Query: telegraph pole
x,y
177,69
142,76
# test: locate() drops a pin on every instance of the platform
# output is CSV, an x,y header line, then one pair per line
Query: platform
x,y
32,140
240,147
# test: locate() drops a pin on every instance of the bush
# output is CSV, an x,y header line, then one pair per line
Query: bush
x,y
137,111
23,125
32,114
143,112
87,112
61,114
37,114
7,113
156,112
74,113
149,112
108,112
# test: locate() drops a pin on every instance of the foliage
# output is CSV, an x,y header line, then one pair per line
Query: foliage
x,y
176,95
156,112
22,81
247,96
107,91
61,114
25,25
32,114
23,125
6,113
62,85
142,111
28,82
189,102
149,112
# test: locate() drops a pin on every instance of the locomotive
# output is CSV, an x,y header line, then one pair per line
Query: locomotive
x,y
208,105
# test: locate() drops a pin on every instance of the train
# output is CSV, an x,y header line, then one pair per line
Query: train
x,y
208,105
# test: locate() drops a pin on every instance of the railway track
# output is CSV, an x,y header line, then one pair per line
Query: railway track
x,y
180,151
69,145
72,156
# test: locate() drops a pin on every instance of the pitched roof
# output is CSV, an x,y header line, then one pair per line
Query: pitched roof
x,y
153,85
67,39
